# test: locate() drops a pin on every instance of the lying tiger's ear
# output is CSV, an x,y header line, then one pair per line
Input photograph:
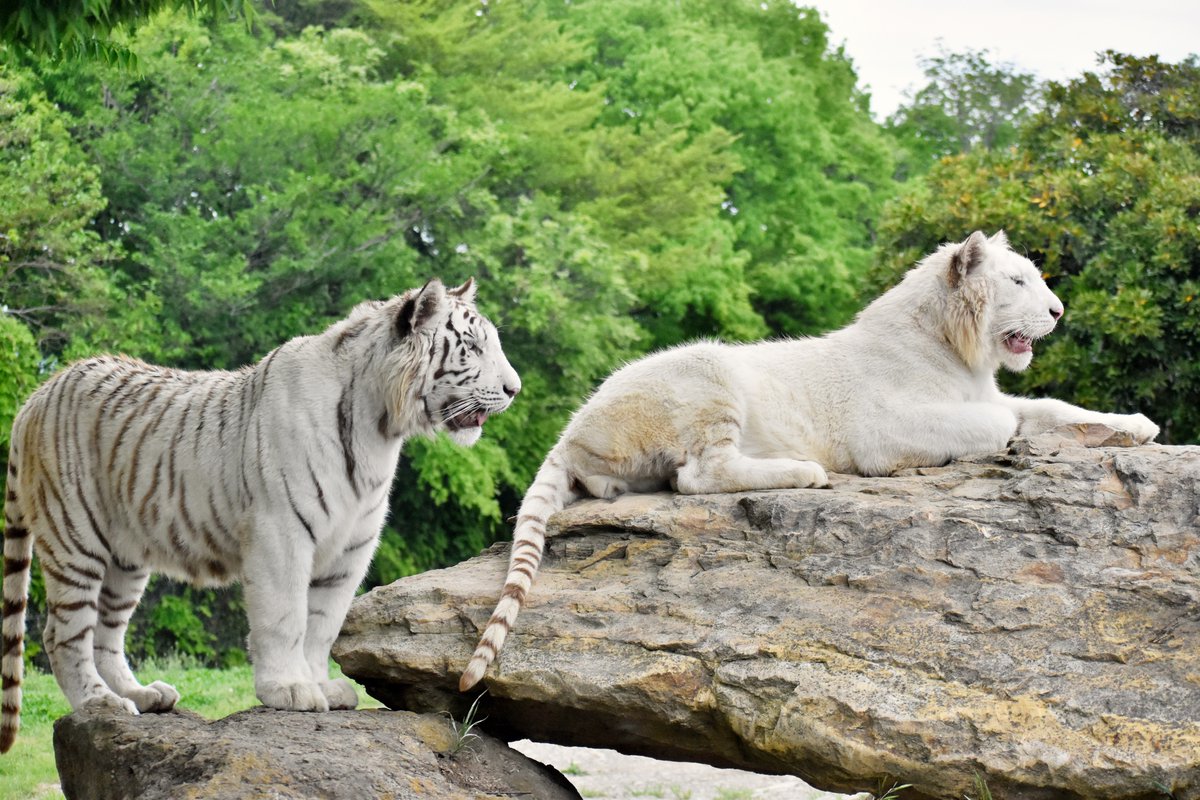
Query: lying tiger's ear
x,y
419,308
999,239
966,258
466,292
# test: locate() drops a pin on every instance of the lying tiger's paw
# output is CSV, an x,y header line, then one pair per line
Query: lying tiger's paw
x,y
1140,426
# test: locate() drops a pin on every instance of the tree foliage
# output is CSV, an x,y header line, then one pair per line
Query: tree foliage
x,y
1102,190
84,28
805,174
51,258
969,103
19,359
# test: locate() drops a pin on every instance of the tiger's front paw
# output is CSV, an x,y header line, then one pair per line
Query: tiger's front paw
x,y
110,700
297,696
340,694
810,474
156,697
1139,426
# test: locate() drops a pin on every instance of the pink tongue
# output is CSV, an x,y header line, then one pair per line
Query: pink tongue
x,y
1018,344
480,418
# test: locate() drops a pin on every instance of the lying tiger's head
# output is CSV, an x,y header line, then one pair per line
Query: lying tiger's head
x,y
461,376
997,304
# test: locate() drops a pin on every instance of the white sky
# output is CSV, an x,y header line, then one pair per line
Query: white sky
x,y
1054,39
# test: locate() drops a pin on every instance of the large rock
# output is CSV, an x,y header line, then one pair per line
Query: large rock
x,y
1032,617
261,753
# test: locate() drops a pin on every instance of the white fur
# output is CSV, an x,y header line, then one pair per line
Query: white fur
x,y
277,475
910,383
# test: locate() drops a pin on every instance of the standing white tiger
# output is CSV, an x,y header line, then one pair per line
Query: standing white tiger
x,y
910,383
277,475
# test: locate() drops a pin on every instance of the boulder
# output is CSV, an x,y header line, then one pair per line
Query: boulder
x,y
1030,617
351,755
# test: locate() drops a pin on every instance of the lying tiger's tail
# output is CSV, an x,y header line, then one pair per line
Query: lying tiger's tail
x,y
18,554
552,491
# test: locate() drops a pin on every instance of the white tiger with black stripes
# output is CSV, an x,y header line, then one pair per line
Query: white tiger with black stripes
x,y
910,383
276,475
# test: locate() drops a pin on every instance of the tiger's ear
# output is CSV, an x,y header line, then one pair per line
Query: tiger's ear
x,y
419,308
999,238
466,292
966,258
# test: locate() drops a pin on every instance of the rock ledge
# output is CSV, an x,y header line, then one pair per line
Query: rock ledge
x,y
261,753
1031,616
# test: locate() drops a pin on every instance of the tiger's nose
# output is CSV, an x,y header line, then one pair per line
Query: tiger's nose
x,y
512,391
1056,311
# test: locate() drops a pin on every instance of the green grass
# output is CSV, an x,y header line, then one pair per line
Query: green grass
x,y
892,792
463,732
28,771
982,792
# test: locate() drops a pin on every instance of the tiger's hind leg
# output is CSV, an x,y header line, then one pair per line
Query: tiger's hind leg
x,y
740,473
72,592
605,487
715,465
119,594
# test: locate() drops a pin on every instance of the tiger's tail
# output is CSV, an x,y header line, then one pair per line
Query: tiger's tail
x,y
18,554
552,491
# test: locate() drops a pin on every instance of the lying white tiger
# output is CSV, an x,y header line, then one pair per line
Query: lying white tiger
x,y
910,383
277,475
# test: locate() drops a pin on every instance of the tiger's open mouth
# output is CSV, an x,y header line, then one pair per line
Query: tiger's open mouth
x,y
1018,343
467,419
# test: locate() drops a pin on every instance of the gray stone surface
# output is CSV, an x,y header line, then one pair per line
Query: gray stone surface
x,y
263,753
1031,616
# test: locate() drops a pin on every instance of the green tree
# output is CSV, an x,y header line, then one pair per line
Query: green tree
x,y
781,227
724,145
968,103
649,191
1102,190
83,28
51,260
19,360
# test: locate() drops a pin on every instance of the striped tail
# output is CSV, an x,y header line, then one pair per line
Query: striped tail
x,y
18,554
551,492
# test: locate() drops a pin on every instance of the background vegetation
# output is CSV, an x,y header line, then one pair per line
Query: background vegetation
x,y
194,182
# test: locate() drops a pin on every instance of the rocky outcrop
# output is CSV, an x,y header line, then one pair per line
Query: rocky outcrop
x,y
261,753
1032,617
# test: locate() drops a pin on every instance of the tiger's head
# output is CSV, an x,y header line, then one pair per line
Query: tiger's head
x,y
460,375
997,304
